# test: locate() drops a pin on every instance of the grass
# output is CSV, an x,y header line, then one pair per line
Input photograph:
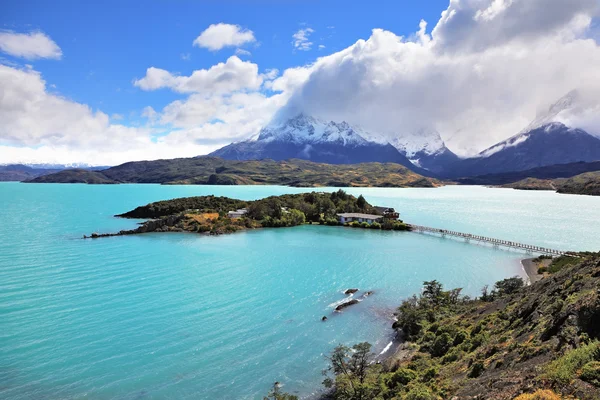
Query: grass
x,y
566,368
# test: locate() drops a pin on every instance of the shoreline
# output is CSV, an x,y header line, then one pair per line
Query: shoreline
x,y
531,269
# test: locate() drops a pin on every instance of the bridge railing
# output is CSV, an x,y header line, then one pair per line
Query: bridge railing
x,y
494,241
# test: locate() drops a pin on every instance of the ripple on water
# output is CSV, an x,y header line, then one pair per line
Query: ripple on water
x,y
187,317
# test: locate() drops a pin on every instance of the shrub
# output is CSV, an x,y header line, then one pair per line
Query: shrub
x,y
402,377
564,369
460,337
442,344
430,373
420,392
476,370
591,373
509,285
375,225
539,395
364,225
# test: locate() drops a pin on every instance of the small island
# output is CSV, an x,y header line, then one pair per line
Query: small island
x,y
220,215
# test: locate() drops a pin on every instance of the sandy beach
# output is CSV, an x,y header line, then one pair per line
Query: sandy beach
x,y
531,268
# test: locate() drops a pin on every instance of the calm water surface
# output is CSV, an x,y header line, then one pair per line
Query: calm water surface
x,y
182,316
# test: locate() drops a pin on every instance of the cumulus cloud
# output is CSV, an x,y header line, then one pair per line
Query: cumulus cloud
x,y
218,36
232,75
30,46
477,25
301,39
483,73
38,126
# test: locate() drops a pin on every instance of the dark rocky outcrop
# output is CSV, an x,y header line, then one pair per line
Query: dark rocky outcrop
x,y
350,291
345,304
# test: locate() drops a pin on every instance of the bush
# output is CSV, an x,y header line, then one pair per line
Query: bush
x,y
476,370
509,286
420,392
430,373
564,369
539,395
460,337
402,377
442,344
375,225
591,373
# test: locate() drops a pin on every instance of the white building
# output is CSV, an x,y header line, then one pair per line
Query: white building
x,y
358,217
237,213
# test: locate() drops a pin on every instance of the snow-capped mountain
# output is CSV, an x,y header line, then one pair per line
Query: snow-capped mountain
x,y
309,138
547,140
426,149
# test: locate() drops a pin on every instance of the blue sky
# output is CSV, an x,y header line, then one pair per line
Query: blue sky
x,y
107,44
115,81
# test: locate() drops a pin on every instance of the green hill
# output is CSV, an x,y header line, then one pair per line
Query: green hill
x,y
588,183
216,171
513,342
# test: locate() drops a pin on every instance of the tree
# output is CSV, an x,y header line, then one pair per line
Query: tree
x,y
276,394
410,317
354,378
361,202
433,293
508,286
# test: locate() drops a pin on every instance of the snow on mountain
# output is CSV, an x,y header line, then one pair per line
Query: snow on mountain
x,y
565,112
425,141
304,129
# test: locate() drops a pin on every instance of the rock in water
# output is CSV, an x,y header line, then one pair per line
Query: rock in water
x,y
350,291
324,318
368,293
346,304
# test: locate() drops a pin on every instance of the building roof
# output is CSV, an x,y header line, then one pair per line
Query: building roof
x,y
359,215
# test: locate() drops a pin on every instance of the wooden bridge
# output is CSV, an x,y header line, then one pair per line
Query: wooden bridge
x,y
495,242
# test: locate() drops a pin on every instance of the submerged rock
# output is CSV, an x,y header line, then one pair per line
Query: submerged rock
x,y
324,318
346,304
350,291
368,293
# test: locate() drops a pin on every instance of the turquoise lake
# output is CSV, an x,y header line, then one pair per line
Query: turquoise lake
x,y
184,316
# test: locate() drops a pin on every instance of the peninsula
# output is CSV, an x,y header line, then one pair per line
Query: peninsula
x,y
220,215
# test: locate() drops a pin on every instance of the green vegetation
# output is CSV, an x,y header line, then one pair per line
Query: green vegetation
x,y
75,176
277,394
215,171
564,369
587,183
537,342
209,214
531,184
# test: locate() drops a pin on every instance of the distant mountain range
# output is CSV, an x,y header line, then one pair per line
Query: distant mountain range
x,y
550,140
545,141
23,172
308,138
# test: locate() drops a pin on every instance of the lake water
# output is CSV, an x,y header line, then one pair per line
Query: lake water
x,y
183,316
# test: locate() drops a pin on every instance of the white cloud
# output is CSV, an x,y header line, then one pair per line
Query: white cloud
x,y
242,52
30,46
477,82
38,126
230,76
301,39
475,25
475,85
186,56
218,36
